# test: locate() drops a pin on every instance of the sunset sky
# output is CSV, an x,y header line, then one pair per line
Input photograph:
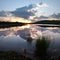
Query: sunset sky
x,y
29,10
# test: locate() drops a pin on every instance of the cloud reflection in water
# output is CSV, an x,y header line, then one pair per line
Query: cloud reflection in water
x,y
14,38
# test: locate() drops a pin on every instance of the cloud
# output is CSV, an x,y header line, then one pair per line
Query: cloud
x,y
26,12
9,17
50,17
42,5
30,12
55,15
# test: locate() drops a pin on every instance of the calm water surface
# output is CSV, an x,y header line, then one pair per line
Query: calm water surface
x,y
15,38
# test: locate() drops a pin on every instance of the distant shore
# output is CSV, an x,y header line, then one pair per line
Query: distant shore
x,y
11,24
57,22
44,23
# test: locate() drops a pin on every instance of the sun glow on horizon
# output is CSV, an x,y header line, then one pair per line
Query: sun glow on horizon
x,y
20,20
15,19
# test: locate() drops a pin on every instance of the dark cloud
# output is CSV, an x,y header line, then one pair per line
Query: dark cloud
x,y
24,12
29,11
51,16
55,15
2,13
43,17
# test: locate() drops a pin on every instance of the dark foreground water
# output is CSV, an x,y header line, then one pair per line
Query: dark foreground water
x,y
15,38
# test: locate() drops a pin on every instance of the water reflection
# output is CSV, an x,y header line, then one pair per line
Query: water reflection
x,y
42,46
15,38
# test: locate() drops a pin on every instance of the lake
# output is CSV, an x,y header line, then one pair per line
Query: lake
x,y
16,38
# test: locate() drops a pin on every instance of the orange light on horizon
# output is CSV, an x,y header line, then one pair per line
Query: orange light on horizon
x,y
17,19
14,19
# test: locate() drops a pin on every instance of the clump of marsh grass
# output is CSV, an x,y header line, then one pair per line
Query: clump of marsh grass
x,y
41,47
